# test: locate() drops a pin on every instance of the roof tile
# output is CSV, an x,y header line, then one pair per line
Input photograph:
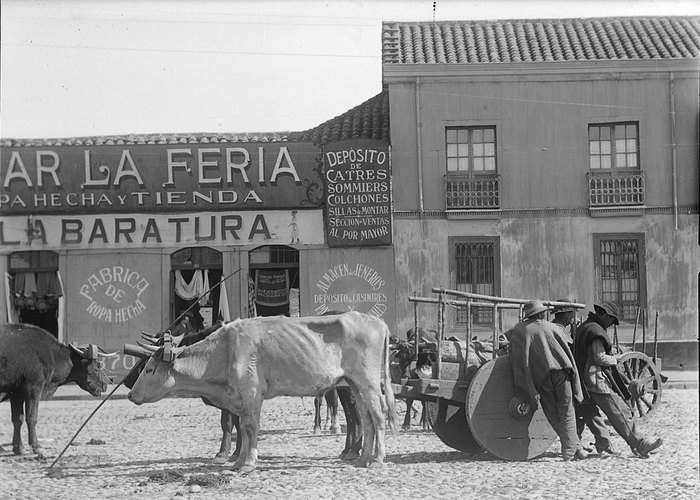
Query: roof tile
x,y
467,42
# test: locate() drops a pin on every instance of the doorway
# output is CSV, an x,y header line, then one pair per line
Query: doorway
x,y
193,271
274,281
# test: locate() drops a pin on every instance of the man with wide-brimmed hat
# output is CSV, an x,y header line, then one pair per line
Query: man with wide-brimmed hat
x,y
543,367
587,414
602,383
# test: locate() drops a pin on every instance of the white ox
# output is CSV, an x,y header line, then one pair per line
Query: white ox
x,y
250,360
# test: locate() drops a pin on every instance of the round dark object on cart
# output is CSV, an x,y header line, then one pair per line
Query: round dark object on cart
x,y
450,425
501,422
643,380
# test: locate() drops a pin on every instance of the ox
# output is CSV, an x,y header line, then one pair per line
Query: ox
x,y
184,330
33,364
250,360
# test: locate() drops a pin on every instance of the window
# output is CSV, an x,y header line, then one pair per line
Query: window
x,y
471,149
36,288
620,271
474,263
613,145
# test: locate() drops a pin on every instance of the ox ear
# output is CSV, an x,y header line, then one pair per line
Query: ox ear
x,y
87,351
177,339
80,350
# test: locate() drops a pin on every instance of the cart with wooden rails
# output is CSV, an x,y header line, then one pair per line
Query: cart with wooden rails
x,y
474,407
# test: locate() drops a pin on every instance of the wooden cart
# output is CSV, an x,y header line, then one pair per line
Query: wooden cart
x,y
474,407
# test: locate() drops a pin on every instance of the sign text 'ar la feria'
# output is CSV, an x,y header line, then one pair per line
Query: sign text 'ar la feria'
x,y
159,178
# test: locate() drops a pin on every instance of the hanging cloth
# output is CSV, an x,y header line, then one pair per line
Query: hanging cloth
x,y
224,313
192,290
30,284
11,311
252,310
272,287
47,284
205,288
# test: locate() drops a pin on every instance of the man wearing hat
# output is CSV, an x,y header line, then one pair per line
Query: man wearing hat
x,y
543,367
587,414
601,382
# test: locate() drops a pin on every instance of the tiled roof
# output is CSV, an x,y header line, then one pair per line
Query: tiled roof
x,y
369,120
108,140
538,40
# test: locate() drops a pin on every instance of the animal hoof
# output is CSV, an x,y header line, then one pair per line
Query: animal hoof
x,y
317,430
18,450
335,429
405,427
246,469
376,465
219,459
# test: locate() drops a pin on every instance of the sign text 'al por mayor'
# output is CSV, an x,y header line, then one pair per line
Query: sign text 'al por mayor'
x,y
159,178
358,193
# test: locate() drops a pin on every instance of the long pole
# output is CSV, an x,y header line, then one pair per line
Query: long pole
x,y
86,421
211,289
122,381
634,332
656,331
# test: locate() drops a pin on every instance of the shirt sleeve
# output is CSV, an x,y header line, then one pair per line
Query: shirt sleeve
x,y
598,354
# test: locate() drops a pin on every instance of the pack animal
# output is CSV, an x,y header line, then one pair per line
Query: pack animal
x,y
228,421
250,360
33,364
404,357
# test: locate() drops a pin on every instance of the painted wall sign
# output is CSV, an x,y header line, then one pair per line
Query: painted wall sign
x,y
113,294
159,230
358,193
352,286
159,178
349,279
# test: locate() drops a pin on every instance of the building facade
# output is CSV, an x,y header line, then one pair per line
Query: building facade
x,y
549,159
102,238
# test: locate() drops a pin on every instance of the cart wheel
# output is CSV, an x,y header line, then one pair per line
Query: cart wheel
x,y
502,423
450,425
643,380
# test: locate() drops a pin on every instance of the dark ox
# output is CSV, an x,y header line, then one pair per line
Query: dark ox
x,y
250,360
33,364
228,420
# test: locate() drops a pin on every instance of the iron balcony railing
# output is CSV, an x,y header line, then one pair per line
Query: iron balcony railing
x,y
472,191
615,190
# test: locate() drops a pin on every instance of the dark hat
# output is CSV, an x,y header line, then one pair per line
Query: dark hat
x,y
533,307
610,308
562,309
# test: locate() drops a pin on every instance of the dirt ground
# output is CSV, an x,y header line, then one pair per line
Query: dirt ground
x,y
163,451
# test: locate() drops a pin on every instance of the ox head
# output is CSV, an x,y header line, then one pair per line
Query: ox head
x,y
155,381
87,367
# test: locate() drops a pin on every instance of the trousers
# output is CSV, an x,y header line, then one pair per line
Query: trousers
x,y
619,415
556,399
587,415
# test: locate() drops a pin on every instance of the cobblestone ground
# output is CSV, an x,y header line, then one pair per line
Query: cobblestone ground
x,y
174,440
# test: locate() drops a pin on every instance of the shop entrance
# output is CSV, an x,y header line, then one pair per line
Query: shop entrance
x,y
35,289
193,271
274,281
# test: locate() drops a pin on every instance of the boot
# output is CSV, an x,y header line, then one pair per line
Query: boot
x,y
646,446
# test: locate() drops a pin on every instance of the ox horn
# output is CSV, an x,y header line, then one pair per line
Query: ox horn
x,y
104,354
150,348
149,339
137,351
150,335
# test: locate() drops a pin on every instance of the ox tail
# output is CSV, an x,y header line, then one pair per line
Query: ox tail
x,y
388,391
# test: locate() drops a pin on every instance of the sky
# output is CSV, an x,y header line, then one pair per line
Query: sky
x,y
76,68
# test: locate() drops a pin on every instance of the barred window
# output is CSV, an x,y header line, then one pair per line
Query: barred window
x,y
613,145
620,273
470,149
474,264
